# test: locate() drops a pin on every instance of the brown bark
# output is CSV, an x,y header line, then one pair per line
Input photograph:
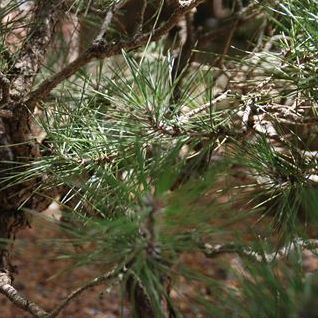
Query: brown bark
x,y
141,306
16,129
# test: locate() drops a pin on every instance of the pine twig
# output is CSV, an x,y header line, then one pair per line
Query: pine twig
x,y
153,205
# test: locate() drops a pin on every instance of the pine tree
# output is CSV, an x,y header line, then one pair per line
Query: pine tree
x,y
167,131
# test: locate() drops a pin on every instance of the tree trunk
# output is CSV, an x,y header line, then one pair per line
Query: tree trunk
x,y
16,124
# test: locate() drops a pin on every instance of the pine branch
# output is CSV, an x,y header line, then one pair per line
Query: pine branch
x,y
11,293
101,50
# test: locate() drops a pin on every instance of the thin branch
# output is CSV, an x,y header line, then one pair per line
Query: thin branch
x,y
174,130
228,42
218,249
20,301
11,293
94,282
246,116
183,54
100,50
185,118
141,17
242,14
6,113
107,21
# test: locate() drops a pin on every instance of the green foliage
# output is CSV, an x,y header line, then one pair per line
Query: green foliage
x,y
148,179
297,22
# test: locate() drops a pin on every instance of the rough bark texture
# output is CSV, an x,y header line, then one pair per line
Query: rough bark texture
x,y
16,129
141,305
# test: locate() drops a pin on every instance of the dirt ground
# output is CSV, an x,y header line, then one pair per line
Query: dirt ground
x,y
36,264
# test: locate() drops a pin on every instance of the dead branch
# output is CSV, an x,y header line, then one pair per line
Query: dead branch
x,y
243,16
35,310
185,118
94,282
228,42
246,116
10,292
107,21
218,249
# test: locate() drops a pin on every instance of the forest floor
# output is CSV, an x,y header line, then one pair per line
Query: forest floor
x,y
42,278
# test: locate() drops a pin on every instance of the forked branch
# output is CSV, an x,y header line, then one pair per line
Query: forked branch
x,y
35,310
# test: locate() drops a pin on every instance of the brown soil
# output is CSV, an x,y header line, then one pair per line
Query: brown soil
x,y
36,263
